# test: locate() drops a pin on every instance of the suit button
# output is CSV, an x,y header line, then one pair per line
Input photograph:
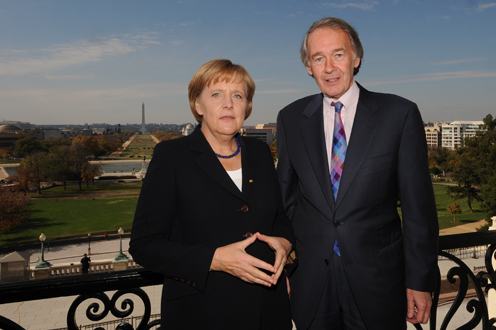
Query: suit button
x,y
244,208
327,262
336,224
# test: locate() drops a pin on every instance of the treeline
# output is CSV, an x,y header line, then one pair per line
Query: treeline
x,y
98,145
473,167
61,160
166,135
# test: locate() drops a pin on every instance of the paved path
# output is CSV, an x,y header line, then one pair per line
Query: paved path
x,y
117,153
52,313
463,228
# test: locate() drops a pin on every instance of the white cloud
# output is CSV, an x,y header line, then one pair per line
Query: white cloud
x,y
55,57
437,76
459,61
485,6
369,5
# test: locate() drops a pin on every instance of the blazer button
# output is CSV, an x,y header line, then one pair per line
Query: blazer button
x,y
244,208
327,262
337,224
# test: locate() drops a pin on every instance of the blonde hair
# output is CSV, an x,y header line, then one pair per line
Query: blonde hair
x,y
219,70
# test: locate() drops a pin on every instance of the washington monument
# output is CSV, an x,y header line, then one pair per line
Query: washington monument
x,y
143,128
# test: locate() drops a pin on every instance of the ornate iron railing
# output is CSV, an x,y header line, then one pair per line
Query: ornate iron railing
x,y
95,286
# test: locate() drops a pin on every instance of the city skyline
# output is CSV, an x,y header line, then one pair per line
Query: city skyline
x,y
94,62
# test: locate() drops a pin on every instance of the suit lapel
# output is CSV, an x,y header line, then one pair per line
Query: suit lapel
x,y
364,128
209,163
313,136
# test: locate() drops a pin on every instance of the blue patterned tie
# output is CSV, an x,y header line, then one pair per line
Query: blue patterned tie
x,y
339,147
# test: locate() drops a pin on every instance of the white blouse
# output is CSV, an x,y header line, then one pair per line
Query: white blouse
x,y
237,177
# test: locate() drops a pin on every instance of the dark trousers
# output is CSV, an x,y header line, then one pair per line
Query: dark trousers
x,y
337,308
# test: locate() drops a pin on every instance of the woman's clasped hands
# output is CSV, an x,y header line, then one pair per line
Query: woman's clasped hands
x,y
234,260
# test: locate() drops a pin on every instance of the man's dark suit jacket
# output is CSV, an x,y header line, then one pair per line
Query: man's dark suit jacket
x,y
188,207
386,161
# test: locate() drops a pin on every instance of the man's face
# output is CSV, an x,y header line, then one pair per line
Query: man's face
x,y
331,60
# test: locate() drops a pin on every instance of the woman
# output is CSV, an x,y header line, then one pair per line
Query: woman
x,y
210,215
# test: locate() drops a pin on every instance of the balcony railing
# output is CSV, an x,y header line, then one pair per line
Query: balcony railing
x,y
469,285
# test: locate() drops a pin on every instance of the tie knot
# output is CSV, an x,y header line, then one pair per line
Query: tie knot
x,y
337,106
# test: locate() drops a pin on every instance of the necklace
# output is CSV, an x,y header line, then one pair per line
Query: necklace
x,y
234,154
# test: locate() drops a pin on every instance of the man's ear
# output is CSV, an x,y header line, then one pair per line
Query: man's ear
x,y
309,70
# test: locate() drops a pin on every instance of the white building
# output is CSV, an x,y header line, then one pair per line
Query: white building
x,y
188,129
433,135
453,134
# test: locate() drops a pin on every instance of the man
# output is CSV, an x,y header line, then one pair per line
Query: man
x,y
85,264
347,157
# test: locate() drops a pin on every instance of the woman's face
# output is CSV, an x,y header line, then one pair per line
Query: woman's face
x,y
223,107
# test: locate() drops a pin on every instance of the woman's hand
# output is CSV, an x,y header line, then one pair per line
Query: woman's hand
x,y
282,248
233,260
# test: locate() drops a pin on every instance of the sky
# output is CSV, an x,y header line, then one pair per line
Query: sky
x,y
76,62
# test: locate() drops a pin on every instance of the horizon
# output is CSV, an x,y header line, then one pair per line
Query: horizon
x,y
98,61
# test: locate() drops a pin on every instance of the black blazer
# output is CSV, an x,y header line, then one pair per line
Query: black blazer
x,y
386,160
188,207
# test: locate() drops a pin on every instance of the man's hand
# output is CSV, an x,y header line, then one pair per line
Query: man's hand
x,y
282,248
233,260
419,306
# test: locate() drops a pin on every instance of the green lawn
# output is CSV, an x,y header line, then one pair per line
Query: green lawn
x,y
446,219
59,213
142,145
108,206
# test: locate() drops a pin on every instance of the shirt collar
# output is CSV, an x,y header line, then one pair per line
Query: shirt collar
x,y
349,99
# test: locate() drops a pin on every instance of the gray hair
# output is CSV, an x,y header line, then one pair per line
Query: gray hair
x,y
334,23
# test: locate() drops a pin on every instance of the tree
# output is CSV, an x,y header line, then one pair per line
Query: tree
x,y
467,176
482,151
89,143
13,209
454,209
33,170
169,135
440,157
25,146
60,164
273,150
55,142
79,157
89,172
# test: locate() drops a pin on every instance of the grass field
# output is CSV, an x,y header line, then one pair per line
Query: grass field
x,y
108,206
142,145
58,213
446,219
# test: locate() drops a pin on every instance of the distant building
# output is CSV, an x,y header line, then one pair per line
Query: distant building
x,y
20,124
263,132
453,134
188,129
65,133
433,135
9,134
